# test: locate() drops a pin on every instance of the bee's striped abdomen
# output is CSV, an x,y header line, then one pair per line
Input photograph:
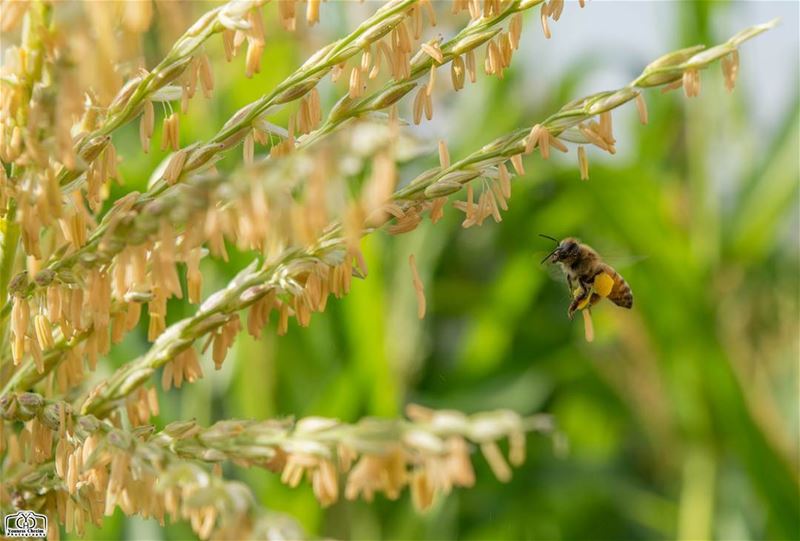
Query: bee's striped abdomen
x,y
621,293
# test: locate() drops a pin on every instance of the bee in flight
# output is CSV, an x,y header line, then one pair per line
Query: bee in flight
x,y
588,277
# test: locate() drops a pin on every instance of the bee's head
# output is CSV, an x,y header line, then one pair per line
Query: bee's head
x,y
566,252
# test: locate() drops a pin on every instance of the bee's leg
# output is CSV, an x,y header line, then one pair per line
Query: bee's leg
x,y
571,287
571,309
585,291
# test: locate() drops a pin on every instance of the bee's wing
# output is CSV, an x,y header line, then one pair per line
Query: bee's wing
x,y
620,262
555,273
552,269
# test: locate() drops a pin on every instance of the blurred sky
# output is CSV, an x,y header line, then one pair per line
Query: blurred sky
x,y
628,35
618,38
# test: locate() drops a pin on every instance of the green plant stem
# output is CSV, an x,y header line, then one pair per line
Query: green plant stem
x,y
27,375
37,21
7,259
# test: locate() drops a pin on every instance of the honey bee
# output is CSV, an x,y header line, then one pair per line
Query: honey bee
x,y
588,277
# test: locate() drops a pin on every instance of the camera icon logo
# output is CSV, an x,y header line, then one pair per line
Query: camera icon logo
x,y
25,524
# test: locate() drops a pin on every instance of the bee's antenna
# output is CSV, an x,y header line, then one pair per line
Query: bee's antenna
x,y
548,237
548,256
554,251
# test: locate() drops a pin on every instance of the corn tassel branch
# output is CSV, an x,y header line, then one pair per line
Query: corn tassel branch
x,y
428,452
128,103
97,466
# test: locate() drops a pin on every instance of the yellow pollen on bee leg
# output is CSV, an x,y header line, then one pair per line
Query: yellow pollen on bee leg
x,y
603,283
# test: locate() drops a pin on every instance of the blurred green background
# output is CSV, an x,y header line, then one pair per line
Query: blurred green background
x,y
682,416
